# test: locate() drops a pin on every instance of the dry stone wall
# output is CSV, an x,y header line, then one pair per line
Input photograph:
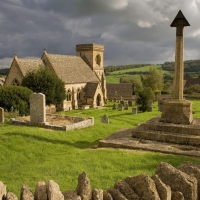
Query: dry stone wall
x,y
168,183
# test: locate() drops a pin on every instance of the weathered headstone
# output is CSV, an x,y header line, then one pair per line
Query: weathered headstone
x,y
105,119
125,106
149,109
130,103
114,106
37,108
1,115
134,111
120,107
149,103
122,102
121,98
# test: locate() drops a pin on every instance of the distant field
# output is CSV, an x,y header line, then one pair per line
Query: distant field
x,y
115,76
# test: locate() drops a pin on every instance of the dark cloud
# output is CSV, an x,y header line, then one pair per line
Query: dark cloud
x,y
132,31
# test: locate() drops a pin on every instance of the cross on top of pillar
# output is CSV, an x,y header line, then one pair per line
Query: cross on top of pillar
x,y
179,22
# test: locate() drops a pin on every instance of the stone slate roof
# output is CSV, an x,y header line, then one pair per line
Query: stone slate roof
x,y
2,81
90,89
119,89
192,81
29,64
72,69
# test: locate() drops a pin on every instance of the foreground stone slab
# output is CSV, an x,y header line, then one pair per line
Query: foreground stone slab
x,y
53,191
71,195
144,186
1,115
11,196
41,191
177,180
26,193
116,194
84,189
126,190
2,190
97,194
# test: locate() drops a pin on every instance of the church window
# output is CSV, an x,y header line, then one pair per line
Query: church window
x,y
15,82
98,59
78,94
69,95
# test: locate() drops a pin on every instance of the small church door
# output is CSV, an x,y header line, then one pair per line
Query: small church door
x,y
98,100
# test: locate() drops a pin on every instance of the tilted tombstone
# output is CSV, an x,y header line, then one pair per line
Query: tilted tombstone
x,y
122,102
130,103
105,119
134,111
1,115
37,108
114,106
125,106
120,107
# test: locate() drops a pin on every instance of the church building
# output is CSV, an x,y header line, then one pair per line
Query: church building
x,y
83,74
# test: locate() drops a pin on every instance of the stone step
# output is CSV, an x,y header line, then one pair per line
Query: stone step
x,y
167,137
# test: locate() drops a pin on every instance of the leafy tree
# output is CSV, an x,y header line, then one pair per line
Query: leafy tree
x,y
136,82
143,97
46,82
154,79
15,98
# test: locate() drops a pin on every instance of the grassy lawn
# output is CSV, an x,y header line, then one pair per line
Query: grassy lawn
x,y
31,154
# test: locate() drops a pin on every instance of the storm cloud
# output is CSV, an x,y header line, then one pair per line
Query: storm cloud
x,y
132,31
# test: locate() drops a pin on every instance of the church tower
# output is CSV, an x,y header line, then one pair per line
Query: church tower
x,y
93,54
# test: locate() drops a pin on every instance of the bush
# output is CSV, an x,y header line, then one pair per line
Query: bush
x,y
46,82
15,98
143,97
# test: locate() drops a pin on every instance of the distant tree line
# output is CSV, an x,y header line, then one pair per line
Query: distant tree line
x,y
189,66
4,72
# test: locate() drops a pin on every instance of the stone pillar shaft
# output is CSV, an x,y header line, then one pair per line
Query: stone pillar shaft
x,y
179,68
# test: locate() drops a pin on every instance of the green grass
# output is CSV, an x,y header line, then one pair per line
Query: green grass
x,y
31,154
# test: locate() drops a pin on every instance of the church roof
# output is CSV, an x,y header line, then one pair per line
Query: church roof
x,y
72,69
29,64
119,89
90,89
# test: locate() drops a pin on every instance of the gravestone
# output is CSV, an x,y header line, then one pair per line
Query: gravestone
x,y
105,119
134,111
149,103
149,109
114,106
120,106
1,115
130,103
125,106
122,102
37,108
121,99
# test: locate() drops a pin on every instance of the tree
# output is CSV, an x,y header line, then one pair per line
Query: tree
x,y
154,79
46,82
15,98
136,82
143,97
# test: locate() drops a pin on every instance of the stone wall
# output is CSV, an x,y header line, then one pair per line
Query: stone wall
x,y
168,183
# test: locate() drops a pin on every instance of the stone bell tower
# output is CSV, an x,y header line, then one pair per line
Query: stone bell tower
x,y
93,55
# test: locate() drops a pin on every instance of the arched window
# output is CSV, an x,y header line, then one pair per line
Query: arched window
x,y
78,94
15,82
69,95
98,59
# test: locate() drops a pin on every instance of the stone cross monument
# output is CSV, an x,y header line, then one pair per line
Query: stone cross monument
x,y
179,22
178,110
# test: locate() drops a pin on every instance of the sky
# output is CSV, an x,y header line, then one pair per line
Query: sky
x,y
132,31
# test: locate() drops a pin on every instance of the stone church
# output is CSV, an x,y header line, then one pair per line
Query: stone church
x,y
83,74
